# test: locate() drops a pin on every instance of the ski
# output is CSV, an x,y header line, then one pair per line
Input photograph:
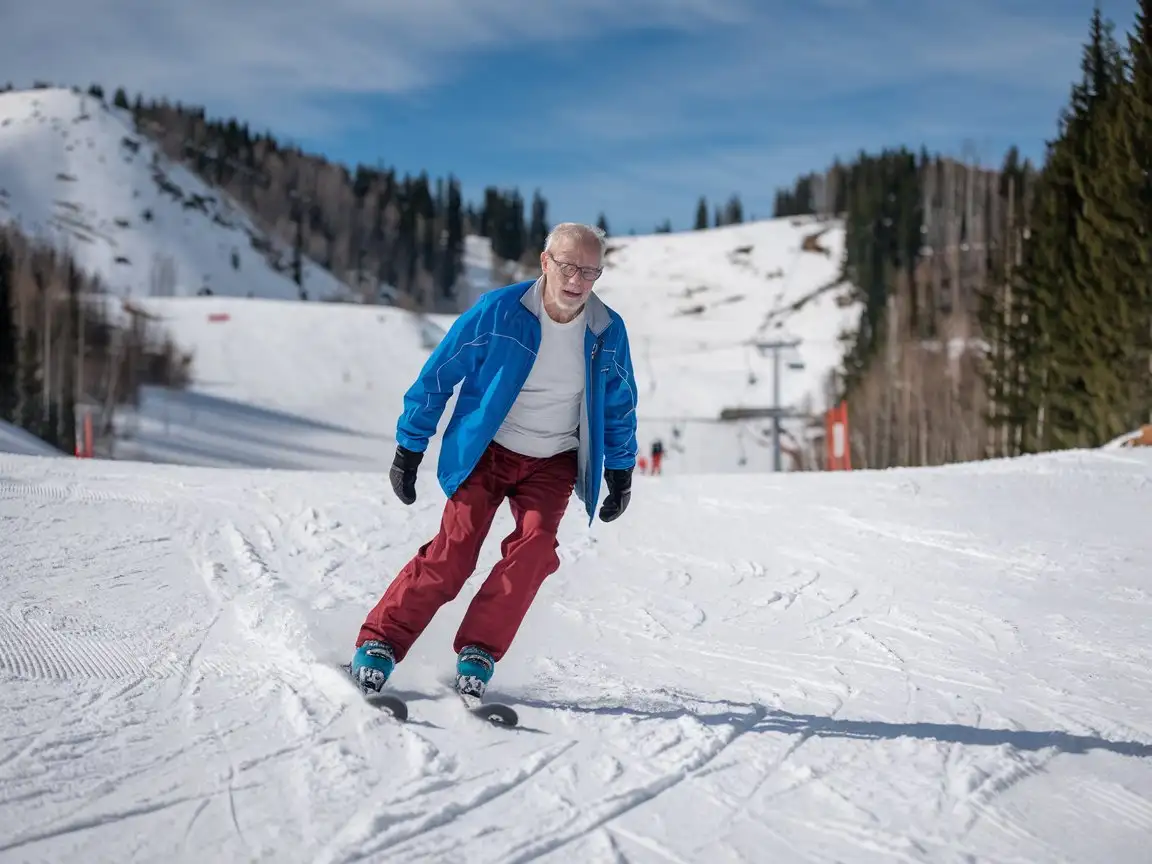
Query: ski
x,y
496,713
386,701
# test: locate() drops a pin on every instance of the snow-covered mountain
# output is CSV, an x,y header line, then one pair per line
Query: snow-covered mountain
x,y
698,304
330,379
76,172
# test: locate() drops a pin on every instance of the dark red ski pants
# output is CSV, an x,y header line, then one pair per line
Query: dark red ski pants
x,y
538,491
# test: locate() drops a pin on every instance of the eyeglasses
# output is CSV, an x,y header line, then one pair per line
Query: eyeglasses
x,y
588,274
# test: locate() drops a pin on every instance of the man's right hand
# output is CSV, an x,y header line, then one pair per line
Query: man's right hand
x,y
403,474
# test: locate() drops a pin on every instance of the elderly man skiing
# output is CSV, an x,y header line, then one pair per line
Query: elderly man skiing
x,y
547,403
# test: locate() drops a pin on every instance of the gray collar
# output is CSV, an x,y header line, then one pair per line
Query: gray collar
x,y
594,308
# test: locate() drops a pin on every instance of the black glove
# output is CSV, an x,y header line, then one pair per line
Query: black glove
x,y
619,482
403,474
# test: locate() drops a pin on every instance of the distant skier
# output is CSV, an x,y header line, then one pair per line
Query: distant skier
x,y
657,456
524,428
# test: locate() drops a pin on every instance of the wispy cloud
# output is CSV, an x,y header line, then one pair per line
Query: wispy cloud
x,y
631,106
289,53
791,64
745,109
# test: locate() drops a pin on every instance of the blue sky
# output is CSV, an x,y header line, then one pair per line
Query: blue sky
x,y
630,107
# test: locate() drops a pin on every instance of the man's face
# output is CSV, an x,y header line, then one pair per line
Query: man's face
x,y
567,267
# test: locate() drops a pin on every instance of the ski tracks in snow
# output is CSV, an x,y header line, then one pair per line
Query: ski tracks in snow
x,y
768,696
170,638
819,636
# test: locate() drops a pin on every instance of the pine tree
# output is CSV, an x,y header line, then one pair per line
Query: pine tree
x,y
9,347
734,211
1058,299
30,410
1138,122
1112,262
298,248
454,253
538,227
429,229
1040,290
997,305
701,215
69,357
1085,342
602,224
490,214
516,232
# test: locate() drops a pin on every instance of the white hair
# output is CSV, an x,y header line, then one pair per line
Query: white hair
x,y
577,232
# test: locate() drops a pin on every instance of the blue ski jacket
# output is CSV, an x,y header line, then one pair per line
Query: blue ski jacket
x,y
491,349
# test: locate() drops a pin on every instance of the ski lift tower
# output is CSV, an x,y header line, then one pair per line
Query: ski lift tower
x,y
777,412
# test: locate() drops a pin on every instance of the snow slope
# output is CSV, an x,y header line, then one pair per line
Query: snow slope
x,y
78,173
292,385
281,384
913,665
13,439
320,385
697,302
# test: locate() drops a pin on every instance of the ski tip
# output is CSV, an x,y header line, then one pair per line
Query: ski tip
x,y
397,706
495,713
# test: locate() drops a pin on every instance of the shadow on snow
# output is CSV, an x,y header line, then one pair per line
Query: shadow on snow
x,y
759,718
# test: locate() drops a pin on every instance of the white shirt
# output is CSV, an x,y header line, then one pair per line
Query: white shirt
x,y
545,418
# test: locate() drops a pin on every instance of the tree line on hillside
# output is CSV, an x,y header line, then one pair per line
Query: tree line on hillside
x,y
1005,311
58,350
371,227
1076,324
730,213
823,194
368,226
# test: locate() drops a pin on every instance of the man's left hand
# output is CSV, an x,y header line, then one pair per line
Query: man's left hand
x,y
619,482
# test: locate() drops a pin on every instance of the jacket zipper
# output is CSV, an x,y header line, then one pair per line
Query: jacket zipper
x,y
593,381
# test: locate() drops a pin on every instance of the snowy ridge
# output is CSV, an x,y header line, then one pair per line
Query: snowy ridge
x,y
77,173
913,665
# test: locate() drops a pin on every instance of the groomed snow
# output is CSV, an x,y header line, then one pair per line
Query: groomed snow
x,y
914,665
280,384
